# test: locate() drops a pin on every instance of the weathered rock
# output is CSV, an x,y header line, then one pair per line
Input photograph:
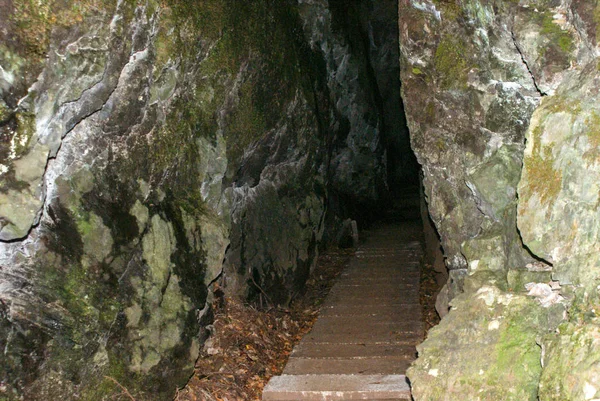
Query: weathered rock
x,y
484,349
570,360
473,73
357,166
142,144
558,220
468,97
558,192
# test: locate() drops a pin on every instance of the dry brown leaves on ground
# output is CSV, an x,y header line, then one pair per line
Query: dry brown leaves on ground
x,y
249,345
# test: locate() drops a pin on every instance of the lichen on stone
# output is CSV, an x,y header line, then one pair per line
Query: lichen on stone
x,y
571,363
484,349
451,62
556,35
543,179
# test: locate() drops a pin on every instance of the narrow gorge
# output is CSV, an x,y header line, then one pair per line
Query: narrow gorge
x,y
153,151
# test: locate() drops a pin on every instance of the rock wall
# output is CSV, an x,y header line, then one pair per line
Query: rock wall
x,y
500,99
150,148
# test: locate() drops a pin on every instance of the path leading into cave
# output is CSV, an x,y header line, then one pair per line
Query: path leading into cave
x,y
365,336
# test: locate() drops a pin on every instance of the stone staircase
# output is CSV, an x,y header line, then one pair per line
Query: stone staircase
x,y
365,336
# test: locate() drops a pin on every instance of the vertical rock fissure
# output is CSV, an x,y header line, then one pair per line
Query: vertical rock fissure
x,y
535,84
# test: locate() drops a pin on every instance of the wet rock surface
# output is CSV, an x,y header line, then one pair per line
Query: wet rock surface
x,y
500,101
143,144
149,149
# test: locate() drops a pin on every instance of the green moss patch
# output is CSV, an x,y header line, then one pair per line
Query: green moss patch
x,y
559,45
33,20
451,62
593,129
571,363
486,347
556,34
543,179
450,9
597,21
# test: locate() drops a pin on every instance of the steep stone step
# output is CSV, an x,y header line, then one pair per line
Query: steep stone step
x,y
397,277
371,290
336,388
381,271
367,291
348,324
366,299
382,263
362,276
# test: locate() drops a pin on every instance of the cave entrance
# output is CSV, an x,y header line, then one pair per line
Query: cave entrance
x,y
370,28
373,33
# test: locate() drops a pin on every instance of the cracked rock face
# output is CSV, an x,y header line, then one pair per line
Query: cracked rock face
x,y
500,98
469,97
143,144
558,217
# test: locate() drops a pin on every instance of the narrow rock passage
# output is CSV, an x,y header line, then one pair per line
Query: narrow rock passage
x,y
365,336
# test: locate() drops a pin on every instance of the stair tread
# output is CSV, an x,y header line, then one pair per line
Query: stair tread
x,y
334,387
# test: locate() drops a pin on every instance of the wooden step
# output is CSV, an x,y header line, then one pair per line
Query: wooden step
x,y
336,388
366,335
328,350
359,366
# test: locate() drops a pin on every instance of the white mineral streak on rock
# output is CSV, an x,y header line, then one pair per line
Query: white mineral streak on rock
x,y
544,293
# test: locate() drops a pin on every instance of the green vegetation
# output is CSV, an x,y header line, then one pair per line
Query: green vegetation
x,y
543,179
593,129
5,112
555,33
559,45
451,62
597,21
24,132
33,20
264,39
558,104
430,113
450,9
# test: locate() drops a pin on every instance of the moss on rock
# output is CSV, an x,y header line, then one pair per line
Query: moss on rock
x,y
485,349
451,62
543,179
571,364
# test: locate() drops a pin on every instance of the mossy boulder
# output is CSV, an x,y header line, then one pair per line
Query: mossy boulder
x,y
485,349
571,364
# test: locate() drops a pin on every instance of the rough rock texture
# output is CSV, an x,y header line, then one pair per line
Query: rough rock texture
x,y
144,143
559,190
558,217
491,337
109,277
474,74
378,19
327,153
357,167
468,98
570,363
